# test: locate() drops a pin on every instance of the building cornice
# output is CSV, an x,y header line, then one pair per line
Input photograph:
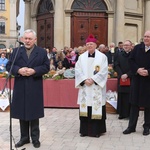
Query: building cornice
x,y
27,0
71,10
136,15
110,12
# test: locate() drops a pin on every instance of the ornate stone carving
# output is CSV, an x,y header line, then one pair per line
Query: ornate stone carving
x,y
89,5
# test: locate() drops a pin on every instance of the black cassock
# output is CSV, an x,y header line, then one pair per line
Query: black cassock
x,y
93,127
122,67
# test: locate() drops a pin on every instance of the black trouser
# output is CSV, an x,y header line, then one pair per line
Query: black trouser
x,y
134,114
33,127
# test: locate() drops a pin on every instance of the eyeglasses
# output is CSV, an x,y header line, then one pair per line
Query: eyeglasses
x,y
126,45
146,36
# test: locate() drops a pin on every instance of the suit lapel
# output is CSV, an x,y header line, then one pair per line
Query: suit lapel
x,y
24,55
143,48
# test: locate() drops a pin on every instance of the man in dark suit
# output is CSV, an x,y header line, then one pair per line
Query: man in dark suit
x,y
27,102
105,50
109,55
139,62
117,50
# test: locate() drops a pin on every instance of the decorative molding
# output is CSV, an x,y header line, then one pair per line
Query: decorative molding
x,y
3,18
27,1
92,14
136,15
110,12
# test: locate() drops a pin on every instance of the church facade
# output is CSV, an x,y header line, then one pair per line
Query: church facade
x,y
60,23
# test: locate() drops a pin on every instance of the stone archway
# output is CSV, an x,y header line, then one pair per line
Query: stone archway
x,y
107,2
45,24
88,17
34,11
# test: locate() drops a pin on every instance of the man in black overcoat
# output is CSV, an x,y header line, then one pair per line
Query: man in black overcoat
x,y
27,102
139,61
124,73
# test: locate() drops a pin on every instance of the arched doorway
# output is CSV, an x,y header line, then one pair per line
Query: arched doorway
x,y
88,17
45,24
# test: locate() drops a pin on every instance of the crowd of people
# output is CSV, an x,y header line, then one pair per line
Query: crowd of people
x,y
118,57
130,61
67,57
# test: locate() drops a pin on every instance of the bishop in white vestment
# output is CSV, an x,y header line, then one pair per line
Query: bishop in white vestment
x,y
91,72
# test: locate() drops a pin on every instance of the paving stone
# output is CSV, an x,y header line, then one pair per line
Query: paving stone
x,y
60,131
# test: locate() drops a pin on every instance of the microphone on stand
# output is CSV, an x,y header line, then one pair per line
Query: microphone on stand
x,y
21,43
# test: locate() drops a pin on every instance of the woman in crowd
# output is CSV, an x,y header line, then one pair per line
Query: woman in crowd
x,y
59,57
3,62
67,61
73,58
52,65
81,50
123,70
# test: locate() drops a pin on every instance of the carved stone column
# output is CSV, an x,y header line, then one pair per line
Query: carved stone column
x,y
59,25
27,14
119,21
147,12
13,32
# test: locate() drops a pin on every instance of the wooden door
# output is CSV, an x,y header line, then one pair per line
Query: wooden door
x,y
98,27
85,23
79,31
45,34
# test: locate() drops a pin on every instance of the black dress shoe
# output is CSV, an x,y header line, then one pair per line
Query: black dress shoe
x,y
128,131
21,143
36,144
97,136
83,135
146,131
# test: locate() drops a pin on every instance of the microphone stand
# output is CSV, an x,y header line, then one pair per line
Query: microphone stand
x,y
9,79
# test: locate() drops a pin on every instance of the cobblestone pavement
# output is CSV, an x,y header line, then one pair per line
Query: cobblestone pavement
x,y
60,131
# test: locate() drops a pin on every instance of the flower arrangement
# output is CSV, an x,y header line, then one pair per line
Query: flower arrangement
x,y
60,74
53,75
3,74
111,72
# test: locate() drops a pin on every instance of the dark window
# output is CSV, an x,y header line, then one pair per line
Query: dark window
x,y
45,6
89,5
2,4
2,27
